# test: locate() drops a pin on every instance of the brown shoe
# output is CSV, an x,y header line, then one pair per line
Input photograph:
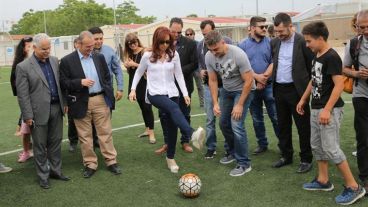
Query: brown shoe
x,y
187,148
162,150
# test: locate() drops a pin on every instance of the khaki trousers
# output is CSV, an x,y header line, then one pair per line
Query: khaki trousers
x,y
98,113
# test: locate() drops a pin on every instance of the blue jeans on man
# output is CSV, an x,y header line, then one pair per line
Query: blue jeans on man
x,y
234,130
256,109
211,139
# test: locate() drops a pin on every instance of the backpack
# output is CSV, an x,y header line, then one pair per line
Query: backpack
x,y
354,52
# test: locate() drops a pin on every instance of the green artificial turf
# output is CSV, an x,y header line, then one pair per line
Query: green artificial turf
x,y
146,181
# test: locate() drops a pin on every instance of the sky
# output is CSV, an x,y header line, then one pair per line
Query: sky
x,y
13,9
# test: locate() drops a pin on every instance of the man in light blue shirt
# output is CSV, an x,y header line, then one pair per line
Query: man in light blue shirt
x,y
112,60
258,48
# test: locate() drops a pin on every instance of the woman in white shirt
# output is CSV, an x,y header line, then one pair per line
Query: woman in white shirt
x,y
162,64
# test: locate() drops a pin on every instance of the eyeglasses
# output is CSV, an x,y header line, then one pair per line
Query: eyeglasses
x,y
132,42
164,42
189,34
263,26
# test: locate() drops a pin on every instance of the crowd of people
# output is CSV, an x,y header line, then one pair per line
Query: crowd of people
x,y
296,76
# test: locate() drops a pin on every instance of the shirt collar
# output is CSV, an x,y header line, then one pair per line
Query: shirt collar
x,y
291,39
40,61
254,40
81,56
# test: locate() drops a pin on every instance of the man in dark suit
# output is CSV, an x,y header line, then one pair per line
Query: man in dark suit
x,y
41,103
86,78
187,50
291,73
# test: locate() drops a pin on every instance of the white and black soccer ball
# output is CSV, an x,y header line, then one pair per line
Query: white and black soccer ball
x,y
190,185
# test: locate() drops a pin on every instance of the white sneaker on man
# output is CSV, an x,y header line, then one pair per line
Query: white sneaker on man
x,y
4,169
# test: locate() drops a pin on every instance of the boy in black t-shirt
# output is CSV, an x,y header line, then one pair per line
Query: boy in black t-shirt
x,y
326,87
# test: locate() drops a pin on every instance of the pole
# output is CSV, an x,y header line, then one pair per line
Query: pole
x,y
116,36
257,7
44,21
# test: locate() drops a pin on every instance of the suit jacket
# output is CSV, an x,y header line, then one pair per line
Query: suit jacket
x,y
71,74
33,91
187,50
301,62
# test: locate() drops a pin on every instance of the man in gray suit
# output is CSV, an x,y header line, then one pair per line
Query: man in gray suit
x,y
41,103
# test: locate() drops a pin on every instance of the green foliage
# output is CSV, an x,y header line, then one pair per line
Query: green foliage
x,y
74,16
126,13
192,15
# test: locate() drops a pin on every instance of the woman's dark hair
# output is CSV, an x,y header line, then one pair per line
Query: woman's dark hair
x,y
127,50
159,35
20,55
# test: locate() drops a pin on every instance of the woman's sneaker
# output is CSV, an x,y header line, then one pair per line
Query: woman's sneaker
x,y
316,185
23,156
198,138
349,196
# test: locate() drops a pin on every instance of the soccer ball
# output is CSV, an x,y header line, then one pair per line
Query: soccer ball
x,y
190,185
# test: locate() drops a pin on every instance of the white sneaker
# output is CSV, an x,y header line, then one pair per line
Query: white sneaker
x,y
354,153
198,138
4,169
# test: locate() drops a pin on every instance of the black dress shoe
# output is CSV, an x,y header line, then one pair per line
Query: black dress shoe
x,y
115,169
59,177
282,162
304,167
44,184
88,172
259,150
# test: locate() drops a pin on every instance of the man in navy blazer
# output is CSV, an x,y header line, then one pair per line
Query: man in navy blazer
x,y
86,79
292,62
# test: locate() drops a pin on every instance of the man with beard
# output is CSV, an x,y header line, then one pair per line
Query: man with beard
x,y
258,49
237,77
290,75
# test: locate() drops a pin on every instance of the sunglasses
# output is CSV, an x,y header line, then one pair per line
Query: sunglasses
x,y
188,34
263,26
27,39
164,42
132,42
179,33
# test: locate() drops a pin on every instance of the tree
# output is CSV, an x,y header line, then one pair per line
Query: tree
x,y
126,13
192,15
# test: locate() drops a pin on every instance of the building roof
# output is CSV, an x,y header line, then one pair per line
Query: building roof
x,y
218,20
130,26
18,37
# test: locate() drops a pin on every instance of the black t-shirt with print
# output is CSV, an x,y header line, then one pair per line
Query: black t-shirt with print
x,y
324,67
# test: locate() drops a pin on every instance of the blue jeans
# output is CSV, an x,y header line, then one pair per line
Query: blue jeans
x,y
171,118
211,140
256,110
234,130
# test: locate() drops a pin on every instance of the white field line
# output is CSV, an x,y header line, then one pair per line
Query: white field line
x,y
115,129
4,83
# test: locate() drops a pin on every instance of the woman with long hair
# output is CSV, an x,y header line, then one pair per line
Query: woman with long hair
x,y
162,65
22,51
133,51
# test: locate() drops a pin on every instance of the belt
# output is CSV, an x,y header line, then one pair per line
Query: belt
x,y
96,94
284,84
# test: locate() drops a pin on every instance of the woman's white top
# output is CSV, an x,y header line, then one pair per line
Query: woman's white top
x,y
161,76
